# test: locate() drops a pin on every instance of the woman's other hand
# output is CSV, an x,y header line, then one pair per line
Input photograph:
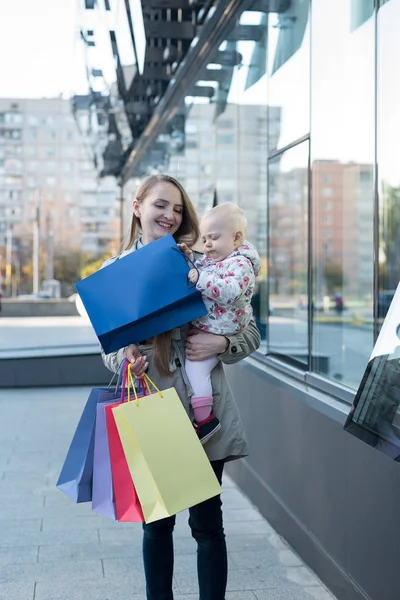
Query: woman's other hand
x,y
201,345
138,362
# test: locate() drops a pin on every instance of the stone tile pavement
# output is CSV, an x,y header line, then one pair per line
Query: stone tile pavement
x,y
52,549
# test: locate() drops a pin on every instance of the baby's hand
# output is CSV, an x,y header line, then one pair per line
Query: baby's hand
x,y
186,251
193,275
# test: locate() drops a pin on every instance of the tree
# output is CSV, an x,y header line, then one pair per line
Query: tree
x,y
92,266
67,269
389,270
333,273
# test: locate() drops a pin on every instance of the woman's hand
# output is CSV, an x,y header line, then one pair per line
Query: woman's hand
x,y
138,362
201,345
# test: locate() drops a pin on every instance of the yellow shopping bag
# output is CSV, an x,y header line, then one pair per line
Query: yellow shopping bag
x,y
167,462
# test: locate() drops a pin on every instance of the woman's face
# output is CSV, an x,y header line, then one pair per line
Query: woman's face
x,y
160,212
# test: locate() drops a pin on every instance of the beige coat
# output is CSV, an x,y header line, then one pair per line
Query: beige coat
x,y
230,441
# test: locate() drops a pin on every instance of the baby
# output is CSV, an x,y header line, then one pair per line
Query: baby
x,y
225,276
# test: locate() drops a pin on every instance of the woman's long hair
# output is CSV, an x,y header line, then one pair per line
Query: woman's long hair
x,y
187,233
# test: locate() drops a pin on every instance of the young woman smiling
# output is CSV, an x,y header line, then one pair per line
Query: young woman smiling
x,y
162,206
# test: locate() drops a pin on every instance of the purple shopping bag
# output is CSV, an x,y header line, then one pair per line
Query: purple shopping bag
x,y
103,501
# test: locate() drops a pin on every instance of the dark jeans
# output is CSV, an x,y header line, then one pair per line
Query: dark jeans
x,y
205,521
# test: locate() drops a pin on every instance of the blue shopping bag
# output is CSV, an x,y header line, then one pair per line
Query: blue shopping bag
x,y
141,295
76,475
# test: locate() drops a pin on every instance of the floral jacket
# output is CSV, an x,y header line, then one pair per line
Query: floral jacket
x,y
227,287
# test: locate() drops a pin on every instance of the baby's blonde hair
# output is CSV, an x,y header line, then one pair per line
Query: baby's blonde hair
x,y
232,213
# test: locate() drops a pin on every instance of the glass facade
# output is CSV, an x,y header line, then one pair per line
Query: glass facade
x,y
388,124
342,171
295,134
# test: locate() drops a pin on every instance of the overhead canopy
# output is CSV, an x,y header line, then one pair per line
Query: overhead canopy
x,y
162,51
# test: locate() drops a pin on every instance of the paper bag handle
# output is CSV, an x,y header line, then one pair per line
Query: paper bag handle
x,y
146,380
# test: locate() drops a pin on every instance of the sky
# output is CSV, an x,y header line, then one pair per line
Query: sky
x,y
39,49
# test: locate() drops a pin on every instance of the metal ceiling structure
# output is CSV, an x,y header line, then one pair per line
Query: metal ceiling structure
x,y
161,60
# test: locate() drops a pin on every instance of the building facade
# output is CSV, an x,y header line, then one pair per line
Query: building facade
x,y
48,179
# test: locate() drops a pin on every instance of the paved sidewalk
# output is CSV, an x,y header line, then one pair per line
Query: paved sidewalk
x,y
52,549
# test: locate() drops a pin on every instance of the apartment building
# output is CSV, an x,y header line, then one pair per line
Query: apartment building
x,y
47,176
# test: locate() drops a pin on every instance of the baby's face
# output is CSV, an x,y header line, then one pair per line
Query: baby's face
x,y
218,238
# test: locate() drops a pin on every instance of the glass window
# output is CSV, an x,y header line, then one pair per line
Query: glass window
x,y
225,124
13,164
32,182
342,161
32,166
288,254
206,169
10,134
225,138
12,150
13,180
86,165
191,126
226,154
14,196
226,197
388,142
289,73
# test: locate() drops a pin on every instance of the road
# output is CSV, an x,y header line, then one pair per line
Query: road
x,y
346,347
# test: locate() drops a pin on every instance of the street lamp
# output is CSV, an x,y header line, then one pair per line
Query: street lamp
x,y
36,245
9,241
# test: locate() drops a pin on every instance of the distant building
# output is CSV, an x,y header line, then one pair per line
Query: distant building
x,y
46,162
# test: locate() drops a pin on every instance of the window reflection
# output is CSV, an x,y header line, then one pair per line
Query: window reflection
x,y
388,140
289,74
288,254
342,161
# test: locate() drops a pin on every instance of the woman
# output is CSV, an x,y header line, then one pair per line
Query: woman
x,y
162,206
